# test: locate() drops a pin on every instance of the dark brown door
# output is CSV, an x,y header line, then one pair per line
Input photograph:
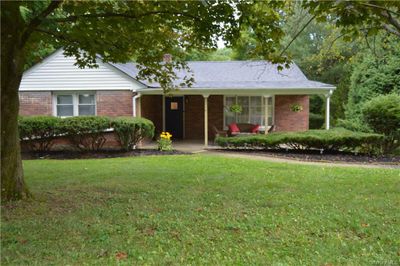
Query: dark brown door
x,y
174,116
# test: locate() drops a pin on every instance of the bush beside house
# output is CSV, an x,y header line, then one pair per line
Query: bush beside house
x,y
382,114
316,121
38,131
85,133
331,140
131,130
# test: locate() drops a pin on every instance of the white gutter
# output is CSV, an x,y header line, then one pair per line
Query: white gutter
x,y
239,91
137,96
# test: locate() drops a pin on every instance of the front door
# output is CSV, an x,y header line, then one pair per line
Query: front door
x,y
174,116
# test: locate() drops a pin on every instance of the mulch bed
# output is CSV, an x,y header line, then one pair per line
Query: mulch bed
x,y
61,155
315,155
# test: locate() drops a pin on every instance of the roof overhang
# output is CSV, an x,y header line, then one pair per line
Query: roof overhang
x,y
241,91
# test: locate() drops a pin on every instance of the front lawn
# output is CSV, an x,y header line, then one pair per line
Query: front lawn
x,y
202,209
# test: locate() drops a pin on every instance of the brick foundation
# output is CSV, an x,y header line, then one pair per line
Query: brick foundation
x,y
64,144
285,118
35,103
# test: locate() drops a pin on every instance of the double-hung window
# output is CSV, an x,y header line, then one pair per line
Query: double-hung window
x,y
253,110
75,104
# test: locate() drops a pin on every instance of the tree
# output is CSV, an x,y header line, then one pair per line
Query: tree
x,y
117,31
382,114
221,54
376,72
323,55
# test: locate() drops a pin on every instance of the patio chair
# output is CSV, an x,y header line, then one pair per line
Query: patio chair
x,y
219,133
269,129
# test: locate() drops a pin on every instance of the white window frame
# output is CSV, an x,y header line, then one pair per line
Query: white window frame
x,y
263,106
75,101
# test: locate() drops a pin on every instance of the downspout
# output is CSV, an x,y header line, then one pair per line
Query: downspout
x,y
137,96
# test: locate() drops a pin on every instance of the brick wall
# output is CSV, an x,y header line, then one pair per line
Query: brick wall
x,y
151,108
109,103
194,115
114,103
35,103
285,118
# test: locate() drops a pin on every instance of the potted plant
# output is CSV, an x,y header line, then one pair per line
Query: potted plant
x,y
236,108
296,107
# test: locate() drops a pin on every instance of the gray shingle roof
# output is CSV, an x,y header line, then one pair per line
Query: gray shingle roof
x,y
237,74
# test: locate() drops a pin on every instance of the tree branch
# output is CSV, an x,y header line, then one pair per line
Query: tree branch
x,y
35,22
297,35
392,20
119,15
56,35
391,30
380,7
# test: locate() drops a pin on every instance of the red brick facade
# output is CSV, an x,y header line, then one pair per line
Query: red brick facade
x,y
285,118
151,108
194,115
35,103
109,103
119,103
114,103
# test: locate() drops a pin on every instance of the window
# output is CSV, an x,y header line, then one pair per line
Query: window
x,y
253,110
65,105
75,104
86,104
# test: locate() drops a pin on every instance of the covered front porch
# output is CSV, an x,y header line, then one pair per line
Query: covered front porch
x,y
193,114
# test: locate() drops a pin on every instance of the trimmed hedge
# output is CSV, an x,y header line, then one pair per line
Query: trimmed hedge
x,y
87,133
38,131
334,139
131,130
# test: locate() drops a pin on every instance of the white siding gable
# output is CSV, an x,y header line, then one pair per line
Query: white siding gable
x,y
58,73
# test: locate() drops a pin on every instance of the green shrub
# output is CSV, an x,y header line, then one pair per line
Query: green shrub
x,y
334,139
86,132
353,125
131,130
38,131
316,121
382,114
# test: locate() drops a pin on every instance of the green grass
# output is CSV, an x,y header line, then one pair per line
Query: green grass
x,y
201,209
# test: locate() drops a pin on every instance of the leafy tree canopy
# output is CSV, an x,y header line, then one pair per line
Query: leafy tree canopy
x,y
120,31
376,72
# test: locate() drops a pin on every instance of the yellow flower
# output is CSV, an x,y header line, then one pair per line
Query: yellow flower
x,y
165,135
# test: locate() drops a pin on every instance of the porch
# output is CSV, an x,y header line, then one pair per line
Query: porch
x,y
194,117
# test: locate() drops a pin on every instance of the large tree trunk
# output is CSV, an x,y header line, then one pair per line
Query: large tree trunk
x,y
12,59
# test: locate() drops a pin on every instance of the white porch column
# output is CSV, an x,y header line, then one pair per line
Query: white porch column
x,y
266,113
205,120
327,110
